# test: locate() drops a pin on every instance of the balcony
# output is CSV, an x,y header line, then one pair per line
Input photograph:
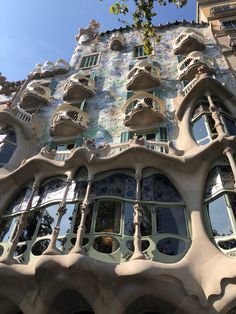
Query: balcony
x,y
143,110
61,67
189,40
68,121
117,42
223,11
188,68
79,87
49,69
143,76
35,95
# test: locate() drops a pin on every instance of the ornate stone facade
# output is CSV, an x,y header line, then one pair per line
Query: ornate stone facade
x,y
121,201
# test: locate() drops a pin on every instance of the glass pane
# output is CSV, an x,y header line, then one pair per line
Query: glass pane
x,y
120,185
51,191
129,219
6,151
106,244
227,245
158,188
227,177
80,189
199,130
230,126
48,220
219,218
66,219
88,220
40,246
108,217
171,220
214,183
171,246
20,202
232,203
6,228
29,230
146,221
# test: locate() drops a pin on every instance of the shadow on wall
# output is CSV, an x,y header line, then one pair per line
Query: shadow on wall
x,y
150,305
70,302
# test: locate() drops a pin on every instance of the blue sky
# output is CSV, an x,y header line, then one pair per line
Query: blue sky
x,y
36,31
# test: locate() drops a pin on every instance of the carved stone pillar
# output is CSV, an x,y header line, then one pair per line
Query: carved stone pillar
x,y
78,247
138,254
20,225
216,117
229,153
52,248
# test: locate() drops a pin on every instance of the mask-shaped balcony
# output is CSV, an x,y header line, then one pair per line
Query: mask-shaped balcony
x,y
68,121
189,40
222,11
117,41
61,66
50,69
143,110
188,68
36,72
143,75
47,69
79,87
35,95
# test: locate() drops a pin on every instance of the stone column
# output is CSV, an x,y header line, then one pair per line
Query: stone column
x,y
78,247
138,254
20,225
229,153
52,248
216,117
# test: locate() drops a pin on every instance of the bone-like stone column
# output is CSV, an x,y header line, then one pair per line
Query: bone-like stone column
x,y
8,258
216,117
78,248
138,254
52,248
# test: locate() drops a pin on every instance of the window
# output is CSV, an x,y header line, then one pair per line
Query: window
x,y
89,61
7,145
220,202
203,125
139,52
159,134
221,9
227,25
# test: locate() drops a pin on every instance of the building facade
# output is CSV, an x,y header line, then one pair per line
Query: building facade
x,y
117,178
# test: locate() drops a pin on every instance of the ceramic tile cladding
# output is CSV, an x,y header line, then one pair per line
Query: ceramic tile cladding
x,y
105,109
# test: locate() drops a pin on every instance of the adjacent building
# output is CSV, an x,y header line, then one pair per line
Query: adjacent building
x,y
117,178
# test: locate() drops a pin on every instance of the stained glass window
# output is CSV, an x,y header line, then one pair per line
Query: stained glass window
x,y
158,188
119,185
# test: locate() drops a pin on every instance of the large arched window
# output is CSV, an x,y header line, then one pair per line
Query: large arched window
x,y
203,125
7,145
110,223
220,200
42,216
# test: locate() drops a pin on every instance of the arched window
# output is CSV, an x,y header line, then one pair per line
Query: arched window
x,y
220,200
46,203
203,125
7,145
110,222
164,218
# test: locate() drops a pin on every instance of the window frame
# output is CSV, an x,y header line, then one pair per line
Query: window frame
x,y
87,56
143,56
